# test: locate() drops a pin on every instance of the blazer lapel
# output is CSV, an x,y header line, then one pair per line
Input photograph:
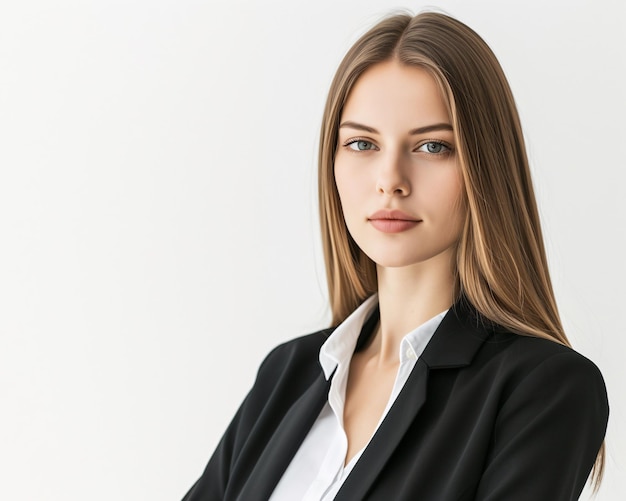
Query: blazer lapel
x,y
454,344
387,437
285,442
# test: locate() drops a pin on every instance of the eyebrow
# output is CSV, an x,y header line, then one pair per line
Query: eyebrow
x,y
412,132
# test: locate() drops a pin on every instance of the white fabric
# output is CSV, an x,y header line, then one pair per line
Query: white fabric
x,y
317,472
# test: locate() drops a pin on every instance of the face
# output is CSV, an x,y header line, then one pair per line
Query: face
x,y
396,168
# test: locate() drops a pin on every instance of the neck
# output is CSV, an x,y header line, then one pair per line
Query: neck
x,y
408,297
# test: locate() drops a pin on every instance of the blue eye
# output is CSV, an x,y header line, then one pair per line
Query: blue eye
x,y
435,148
360,145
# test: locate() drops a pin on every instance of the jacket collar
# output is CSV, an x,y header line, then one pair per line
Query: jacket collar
x,y
454,344
458,338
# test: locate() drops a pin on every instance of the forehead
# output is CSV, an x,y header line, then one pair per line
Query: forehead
x,y
391,93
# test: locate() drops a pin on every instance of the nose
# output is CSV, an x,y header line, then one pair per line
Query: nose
x,y
391,177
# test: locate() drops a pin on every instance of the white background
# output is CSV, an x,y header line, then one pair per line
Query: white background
x,y
158,227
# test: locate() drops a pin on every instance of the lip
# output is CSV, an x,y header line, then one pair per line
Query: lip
x,y
392,221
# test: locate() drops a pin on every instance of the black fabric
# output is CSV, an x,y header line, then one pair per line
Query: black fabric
x,y
485,415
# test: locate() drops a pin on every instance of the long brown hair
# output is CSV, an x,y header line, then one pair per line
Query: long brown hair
x,y
501,264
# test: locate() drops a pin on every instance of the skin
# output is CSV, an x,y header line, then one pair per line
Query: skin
x,y
383,162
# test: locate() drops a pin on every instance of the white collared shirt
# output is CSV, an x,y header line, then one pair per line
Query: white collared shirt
x,y
317,472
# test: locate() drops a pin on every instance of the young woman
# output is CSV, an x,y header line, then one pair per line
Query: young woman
x,y
448,376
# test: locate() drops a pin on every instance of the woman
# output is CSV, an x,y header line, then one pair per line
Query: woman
x,y
449,376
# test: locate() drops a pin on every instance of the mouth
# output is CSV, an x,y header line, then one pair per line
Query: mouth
x,y
393,221
393,225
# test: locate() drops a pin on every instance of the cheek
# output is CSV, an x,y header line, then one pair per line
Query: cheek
x,y
442,193
456,205
454,195
447,203
348,189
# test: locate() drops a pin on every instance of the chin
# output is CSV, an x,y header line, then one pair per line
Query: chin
x,y
430,257
394,261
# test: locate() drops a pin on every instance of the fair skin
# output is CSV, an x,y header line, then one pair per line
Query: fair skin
x,y
396,152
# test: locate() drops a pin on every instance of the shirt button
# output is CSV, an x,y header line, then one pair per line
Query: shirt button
x,y
410,354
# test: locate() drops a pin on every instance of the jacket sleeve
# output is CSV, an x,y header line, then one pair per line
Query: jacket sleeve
x,y
212,485
547,433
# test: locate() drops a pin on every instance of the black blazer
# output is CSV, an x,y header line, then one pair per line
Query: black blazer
x,y
485,414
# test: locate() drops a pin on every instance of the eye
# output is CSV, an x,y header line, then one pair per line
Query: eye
x,y
435,148
360,145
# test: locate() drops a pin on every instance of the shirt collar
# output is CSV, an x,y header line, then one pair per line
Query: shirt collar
x,y
414,343
340,345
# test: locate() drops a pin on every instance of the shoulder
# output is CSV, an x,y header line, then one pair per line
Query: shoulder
x,y
297,358
300,346
547,410
300,349
284,375
528,354
531,370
